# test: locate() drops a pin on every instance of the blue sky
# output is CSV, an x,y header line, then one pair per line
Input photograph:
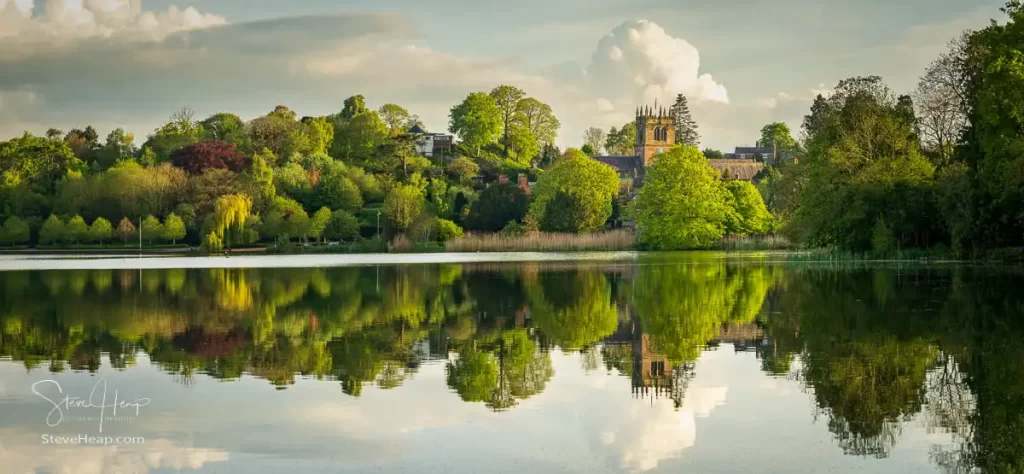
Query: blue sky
x,y
110,63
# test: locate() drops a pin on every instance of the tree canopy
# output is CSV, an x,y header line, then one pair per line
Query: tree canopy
x,y
682,204
575,195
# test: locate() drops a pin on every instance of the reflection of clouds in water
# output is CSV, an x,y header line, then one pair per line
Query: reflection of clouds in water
x,y
81,459
647,435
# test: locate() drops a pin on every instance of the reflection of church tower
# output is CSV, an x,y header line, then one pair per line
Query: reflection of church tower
x,y
655,132
654,375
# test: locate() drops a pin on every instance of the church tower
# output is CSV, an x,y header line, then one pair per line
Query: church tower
x,y
655,132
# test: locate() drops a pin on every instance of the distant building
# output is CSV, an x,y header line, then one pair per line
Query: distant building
x,y
655,133
766,154
432,144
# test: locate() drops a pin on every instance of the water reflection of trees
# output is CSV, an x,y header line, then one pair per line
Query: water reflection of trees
x,y
874,348
879,347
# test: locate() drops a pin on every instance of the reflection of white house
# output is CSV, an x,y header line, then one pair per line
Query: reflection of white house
x,y
432,144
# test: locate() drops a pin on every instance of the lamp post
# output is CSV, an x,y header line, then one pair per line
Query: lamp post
x,y
140,234
378,223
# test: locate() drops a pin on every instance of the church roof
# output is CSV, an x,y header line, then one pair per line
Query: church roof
x,y
416,130
622,164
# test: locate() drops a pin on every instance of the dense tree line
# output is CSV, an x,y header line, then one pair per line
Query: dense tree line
x,y
275,178
942,166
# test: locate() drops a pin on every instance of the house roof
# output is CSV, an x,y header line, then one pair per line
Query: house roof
x,y
622,164
416,130
753,150
742,170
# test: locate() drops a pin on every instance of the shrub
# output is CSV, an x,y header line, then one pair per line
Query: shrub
x,y
447,230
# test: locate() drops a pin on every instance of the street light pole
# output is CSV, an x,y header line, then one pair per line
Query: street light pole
x,y
140,234
378,223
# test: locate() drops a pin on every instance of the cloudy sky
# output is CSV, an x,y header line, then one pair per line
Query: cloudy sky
x,y
131,63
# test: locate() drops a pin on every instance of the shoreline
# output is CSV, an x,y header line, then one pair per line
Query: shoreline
x,y
124,261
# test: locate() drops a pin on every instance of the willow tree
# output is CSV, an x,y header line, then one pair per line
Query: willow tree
x,y
229,218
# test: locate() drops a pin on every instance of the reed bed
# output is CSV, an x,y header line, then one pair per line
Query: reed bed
x,y
755,242
619,239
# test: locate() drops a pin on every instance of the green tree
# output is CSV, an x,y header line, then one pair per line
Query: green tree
x,y
100,230
125,229
76,230
994,80
174,228
448,230
747,214
224,127
682,204
319,133
521,145
863,163
477,121
212,243
35,164
182,130
229,219
343,226
356,138
464,169
279,132
397,118
686,127
337,191
621,142
713,154
15,231
496,206
594,137
119,146
778,137
538,118
152,229
507,99
318,224
586,185
402,205
354,105
262,176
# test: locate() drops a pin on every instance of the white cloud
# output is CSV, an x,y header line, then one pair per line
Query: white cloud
x,y
641,60
156,454
645,435
61,23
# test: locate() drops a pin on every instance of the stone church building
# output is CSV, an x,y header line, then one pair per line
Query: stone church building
x,y
656,133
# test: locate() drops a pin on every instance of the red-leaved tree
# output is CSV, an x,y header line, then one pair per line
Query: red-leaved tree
x,y
199,157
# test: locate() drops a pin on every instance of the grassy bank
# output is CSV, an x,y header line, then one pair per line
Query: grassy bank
x,y
620,239
833,255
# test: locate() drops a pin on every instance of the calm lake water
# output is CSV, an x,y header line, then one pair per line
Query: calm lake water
x,y
621,363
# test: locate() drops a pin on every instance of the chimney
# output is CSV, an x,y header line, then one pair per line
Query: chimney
x,y
524,182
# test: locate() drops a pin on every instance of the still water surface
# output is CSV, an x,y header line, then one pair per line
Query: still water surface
x,y
655,363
